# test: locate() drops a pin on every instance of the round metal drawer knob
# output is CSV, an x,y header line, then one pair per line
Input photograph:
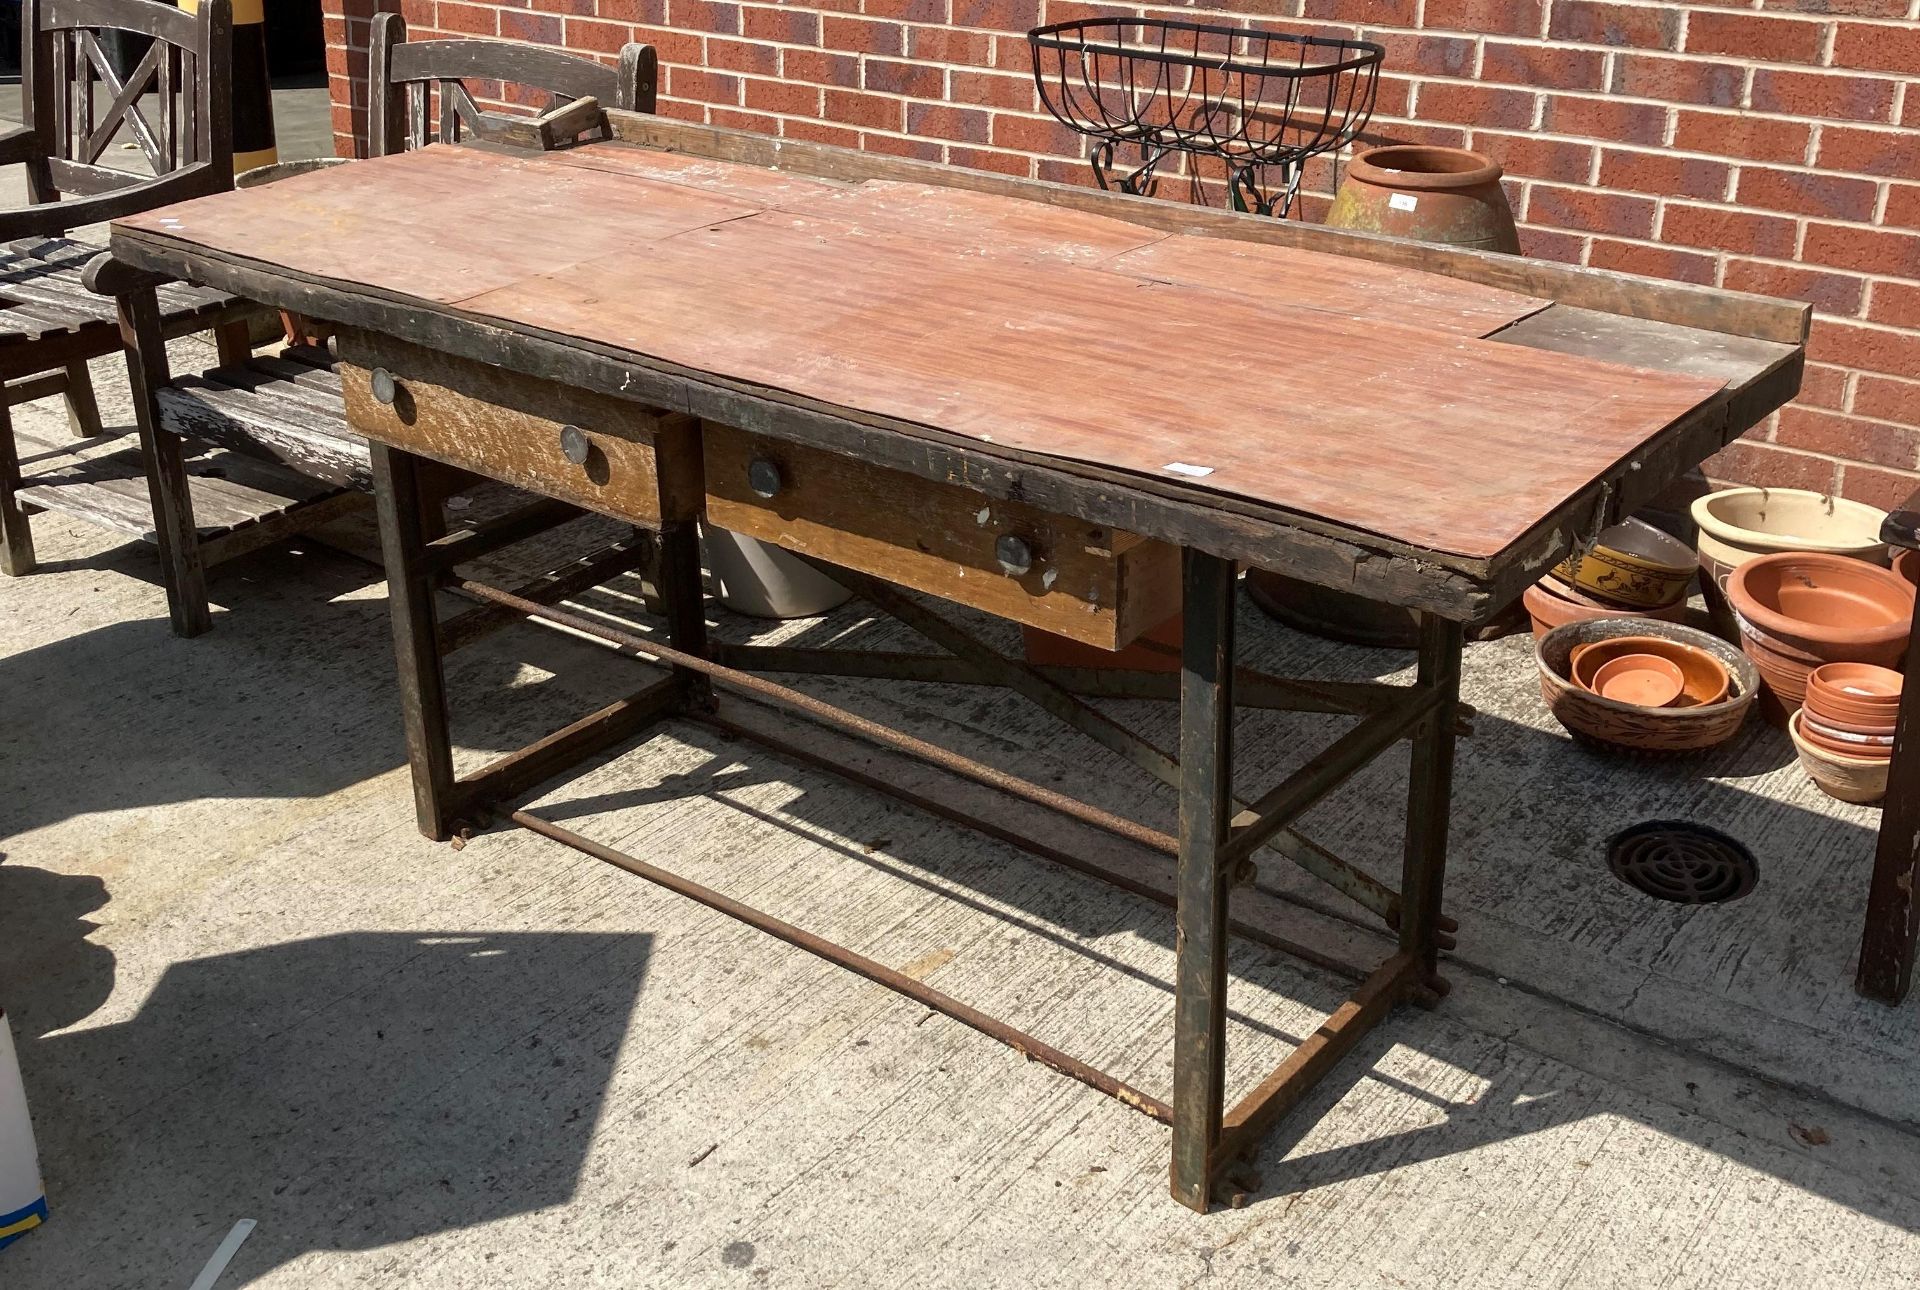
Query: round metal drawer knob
x,y
574,445
764,477
1015,554
385,388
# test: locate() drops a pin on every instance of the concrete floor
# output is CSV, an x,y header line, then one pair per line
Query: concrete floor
x,y
244,987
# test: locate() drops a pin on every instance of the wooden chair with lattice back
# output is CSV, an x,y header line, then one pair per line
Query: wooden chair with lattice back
x,y
284,411
174,108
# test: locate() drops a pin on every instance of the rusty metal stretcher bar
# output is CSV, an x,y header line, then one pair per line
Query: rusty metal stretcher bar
x,y
1391,714
886,365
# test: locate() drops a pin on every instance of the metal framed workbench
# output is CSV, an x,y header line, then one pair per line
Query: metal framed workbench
x,y
594,409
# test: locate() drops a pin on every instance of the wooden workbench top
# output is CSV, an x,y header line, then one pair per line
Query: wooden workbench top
x,y
1360,395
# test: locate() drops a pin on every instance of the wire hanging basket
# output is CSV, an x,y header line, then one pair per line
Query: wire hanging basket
x,y
1253,99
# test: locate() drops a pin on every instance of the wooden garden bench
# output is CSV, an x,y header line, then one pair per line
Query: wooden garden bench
x,y
175,104
286,411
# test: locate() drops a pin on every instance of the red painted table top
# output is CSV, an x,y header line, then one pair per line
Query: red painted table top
x,y
1360,393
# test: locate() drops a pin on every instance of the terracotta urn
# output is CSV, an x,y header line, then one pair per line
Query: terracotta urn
x,y
1799,609
1447,196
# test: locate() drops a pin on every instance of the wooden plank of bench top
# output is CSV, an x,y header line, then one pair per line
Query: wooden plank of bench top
x,y
1683,303
272,419
988,224
102,481
1642,342
1353,288
1443,443
390,215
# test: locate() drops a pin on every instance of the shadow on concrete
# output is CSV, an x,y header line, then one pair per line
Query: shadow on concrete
x,y
348,1092
1529,829
291,695
335,1140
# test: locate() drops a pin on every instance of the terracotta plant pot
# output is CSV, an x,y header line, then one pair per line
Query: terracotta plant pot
x,y
1642,731
1798,610
1426,194
1634,565
1550,606
1851,779
1907,564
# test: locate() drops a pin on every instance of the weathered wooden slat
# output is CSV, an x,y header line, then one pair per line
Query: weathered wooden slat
x,y
261,426
550,69
267,530
35,318
36,387
319,386
175,26
57,292
103,482
279,401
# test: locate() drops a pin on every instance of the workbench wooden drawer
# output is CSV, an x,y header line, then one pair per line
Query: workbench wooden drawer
x,y
1079,580
603,453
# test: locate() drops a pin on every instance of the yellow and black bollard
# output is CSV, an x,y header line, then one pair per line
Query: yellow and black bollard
x,y
253,138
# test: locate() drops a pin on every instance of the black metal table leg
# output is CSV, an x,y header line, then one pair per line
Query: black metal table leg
x,y
1204,881
416,639
1429,798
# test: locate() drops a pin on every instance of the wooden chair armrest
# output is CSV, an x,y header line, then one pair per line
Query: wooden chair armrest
x,y
1902,528
21,144
55,218
106,276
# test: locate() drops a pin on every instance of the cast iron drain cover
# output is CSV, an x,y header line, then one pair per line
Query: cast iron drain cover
x,y
1689,864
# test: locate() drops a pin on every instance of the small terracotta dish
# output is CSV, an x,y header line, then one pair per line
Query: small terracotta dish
x,y
1643,680
1851,779
1861,681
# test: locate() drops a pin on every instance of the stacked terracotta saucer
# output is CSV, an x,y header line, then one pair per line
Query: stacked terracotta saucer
x,y
1844,732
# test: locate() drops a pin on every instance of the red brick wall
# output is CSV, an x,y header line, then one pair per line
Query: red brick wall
x,y
1771,146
